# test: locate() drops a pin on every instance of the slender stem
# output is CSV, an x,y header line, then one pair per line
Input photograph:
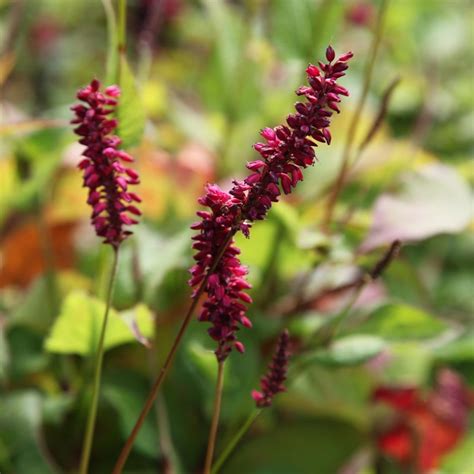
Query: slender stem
x,y
235,440
122,25
342,316
89,435
351,132
168,362
215,417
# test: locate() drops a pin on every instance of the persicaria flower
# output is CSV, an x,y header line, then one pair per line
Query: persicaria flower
x,y
273,382
225,285
289,148
104,173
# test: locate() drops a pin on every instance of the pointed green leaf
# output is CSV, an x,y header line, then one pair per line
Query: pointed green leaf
x,y
77,328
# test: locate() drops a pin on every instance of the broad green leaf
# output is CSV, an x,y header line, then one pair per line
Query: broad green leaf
x,y
401,322
130,114
77,328
316,446
421,209
350,350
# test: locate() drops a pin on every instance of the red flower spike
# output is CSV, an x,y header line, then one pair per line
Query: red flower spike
x,y
273,382
288,149
103,174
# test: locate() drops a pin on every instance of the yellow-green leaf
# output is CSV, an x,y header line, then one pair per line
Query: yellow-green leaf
x,y
77,328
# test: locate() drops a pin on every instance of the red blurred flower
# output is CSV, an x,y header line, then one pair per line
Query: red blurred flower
x,y
425,428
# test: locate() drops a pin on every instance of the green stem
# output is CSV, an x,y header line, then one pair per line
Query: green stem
x,y
235,440
122,26
353,126
168,363
215,418
89,434
342,316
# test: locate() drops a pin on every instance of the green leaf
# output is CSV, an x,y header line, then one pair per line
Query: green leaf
x,y
401,321
130,113
350,350
320,445
77,328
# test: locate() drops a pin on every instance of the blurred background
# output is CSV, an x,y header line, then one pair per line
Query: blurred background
x,y
393,393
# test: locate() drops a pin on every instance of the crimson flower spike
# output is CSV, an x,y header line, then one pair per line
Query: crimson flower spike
x,y
273,382
224,306
288,150
104,174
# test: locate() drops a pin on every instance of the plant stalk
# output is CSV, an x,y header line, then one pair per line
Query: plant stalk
x,y
353,126
122,25
235,441
89,435
168,363
215,417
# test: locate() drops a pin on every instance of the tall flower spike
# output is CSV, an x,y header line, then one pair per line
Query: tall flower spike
x,y
287,151
290,148
224,307
273,382
103,170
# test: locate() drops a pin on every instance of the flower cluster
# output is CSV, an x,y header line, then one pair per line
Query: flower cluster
x,y
226,282
288,150
272,382
104,174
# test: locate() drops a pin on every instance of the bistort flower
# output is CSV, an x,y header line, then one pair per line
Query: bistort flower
x,y
103,170
273,382
288,150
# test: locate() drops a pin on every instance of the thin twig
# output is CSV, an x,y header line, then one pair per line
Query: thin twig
x,y
215,417
168,362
